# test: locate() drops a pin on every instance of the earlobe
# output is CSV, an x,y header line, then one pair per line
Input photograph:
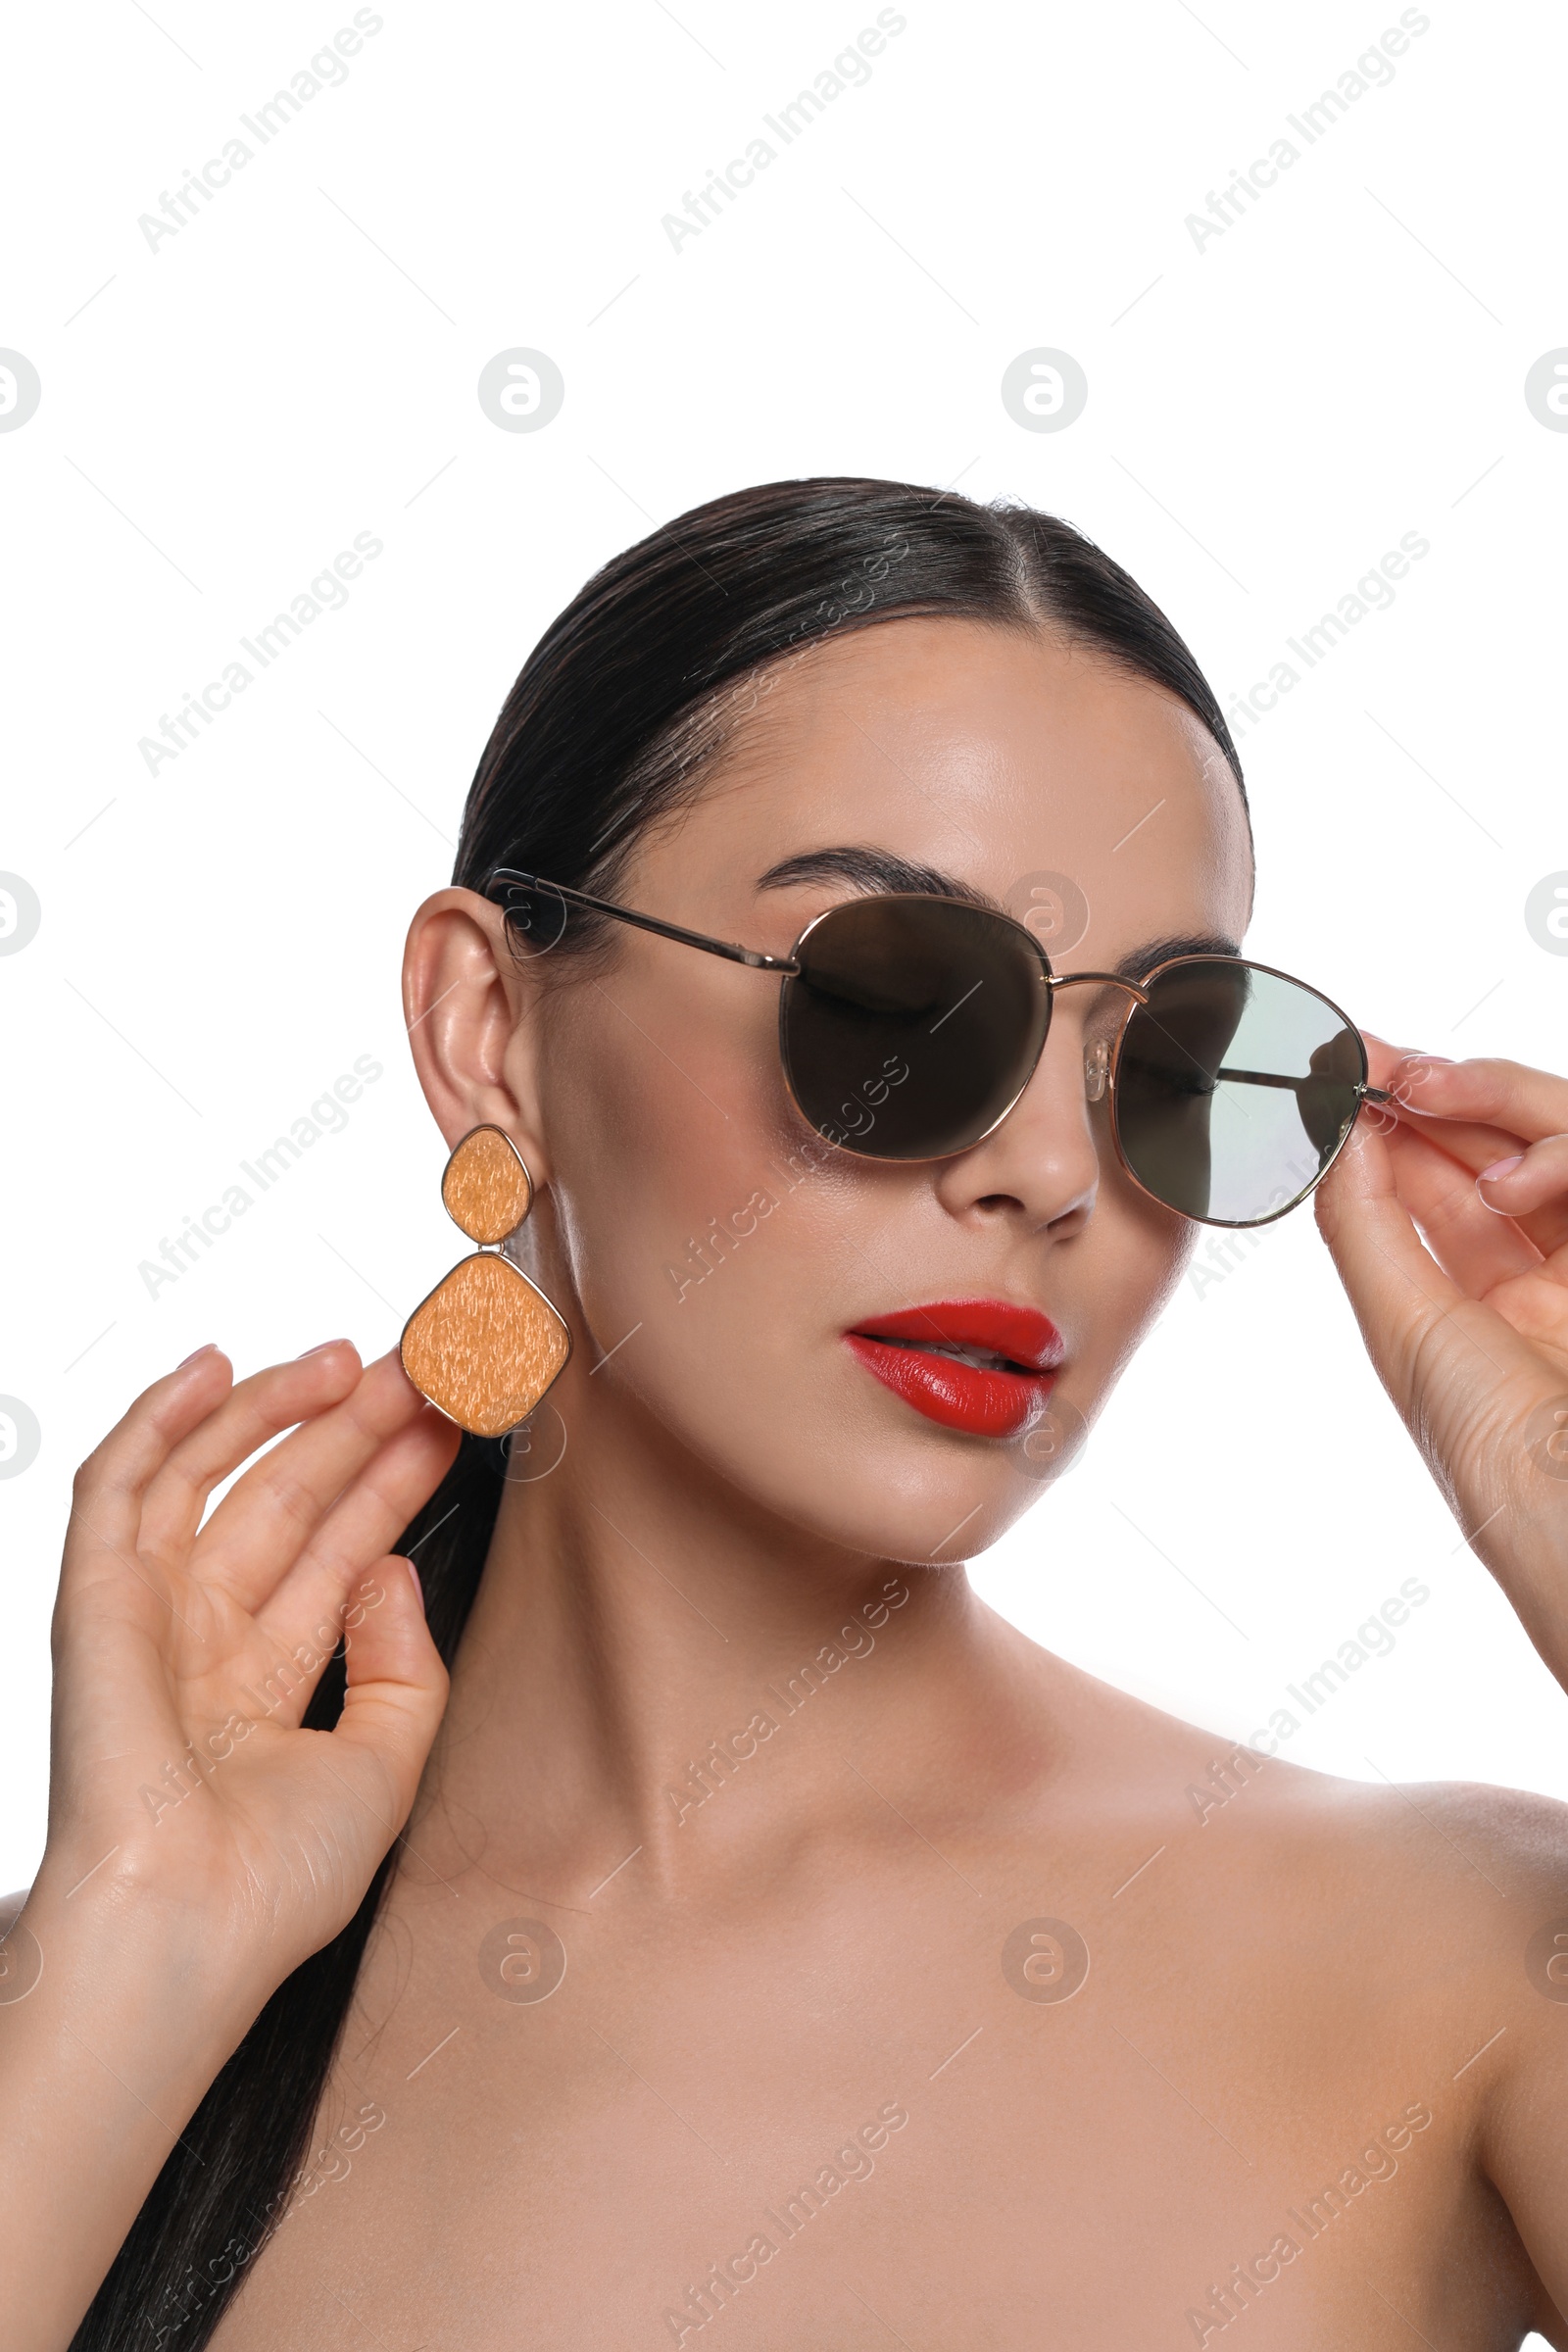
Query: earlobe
x,y
470,1017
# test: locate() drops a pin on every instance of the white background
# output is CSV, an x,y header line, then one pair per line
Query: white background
x,y
1266,415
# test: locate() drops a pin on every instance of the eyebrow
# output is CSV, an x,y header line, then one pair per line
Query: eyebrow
x,y
869,869
872,869
1181,942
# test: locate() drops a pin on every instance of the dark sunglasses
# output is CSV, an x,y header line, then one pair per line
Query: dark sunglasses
x,y
908,1027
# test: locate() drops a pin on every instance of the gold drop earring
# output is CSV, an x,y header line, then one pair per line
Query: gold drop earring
x,y
486,1344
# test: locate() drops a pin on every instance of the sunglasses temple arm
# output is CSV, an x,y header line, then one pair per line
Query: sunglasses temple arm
x,y
1368,1093
511,878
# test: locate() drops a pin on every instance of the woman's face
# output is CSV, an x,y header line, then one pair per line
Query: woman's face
x,y
698,1230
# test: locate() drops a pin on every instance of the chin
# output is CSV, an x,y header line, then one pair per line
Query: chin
x,y
935,1517
852,1483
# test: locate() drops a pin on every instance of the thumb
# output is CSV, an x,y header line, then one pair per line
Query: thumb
x,y
396,1694
1421,1330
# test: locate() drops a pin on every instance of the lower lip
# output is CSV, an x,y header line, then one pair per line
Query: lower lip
x,y
983,1404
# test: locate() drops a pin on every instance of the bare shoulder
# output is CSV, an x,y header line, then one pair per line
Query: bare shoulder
x,y
1488,1865
1498,1895
1373,1949
1519,1827
1452,1839
11,1909
1524,1834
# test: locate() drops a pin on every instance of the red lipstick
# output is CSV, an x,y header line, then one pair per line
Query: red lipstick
x,y
982,1365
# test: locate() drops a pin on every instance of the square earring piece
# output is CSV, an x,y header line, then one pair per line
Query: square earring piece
x,y
486,1344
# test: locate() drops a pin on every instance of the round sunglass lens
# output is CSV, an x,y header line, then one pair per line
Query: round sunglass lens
x,y
913,1025
1235,1087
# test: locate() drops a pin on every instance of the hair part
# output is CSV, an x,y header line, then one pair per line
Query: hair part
x,y
648,676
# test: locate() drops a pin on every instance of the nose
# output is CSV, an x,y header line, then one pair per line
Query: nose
x,y
1041,1167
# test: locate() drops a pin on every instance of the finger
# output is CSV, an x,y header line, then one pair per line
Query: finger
x,y
107,1495
1476,1246
1382,1058
270,1517
118,1619
1532,1188
307,1611
1486,1093
262,1524
1474,1146
1413,1318
1420,1083
1408,1079
397,1690
254,1412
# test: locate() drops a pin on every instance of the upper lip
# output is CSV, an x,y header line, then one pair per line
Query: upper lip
x,y
1023,1335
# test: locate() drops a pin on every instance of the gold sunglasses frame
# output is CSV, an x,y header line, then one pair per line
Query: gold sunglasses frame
x,y
1100,1062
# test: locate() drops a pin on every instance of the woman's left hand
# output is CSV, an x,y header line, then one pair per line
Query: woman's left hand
x,y
1447,1215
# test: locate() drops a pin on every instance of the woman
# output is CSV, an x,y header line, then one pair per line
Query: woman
x,y
775,1942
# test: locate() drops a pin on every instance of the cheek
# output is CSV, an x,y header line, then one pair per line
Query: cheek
x,y
697,1213
727,1257
1135,1255
670,1140
1138,1257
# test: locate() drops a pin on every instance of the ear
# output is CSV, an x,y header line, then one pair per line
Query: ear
x,y
472,1013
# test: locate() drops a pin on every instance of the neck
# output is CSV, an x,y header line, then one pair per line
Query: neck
x,y
654,1666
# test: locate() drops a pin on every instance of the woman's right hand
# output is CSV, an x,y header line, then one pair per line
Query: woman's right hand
x,y
185,1654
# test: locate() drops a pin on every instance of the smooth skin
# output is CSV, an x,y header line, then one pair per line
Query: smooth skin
x,y
758,1982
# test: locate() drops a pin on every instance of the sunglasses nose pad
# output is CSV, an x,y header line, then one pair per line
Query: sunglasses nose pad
x,y
1096,1070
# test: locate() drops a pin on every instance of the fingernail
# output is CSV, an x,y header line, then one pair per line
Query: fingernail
x,y
321,1348
417,1586
194,1354
1500,1168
